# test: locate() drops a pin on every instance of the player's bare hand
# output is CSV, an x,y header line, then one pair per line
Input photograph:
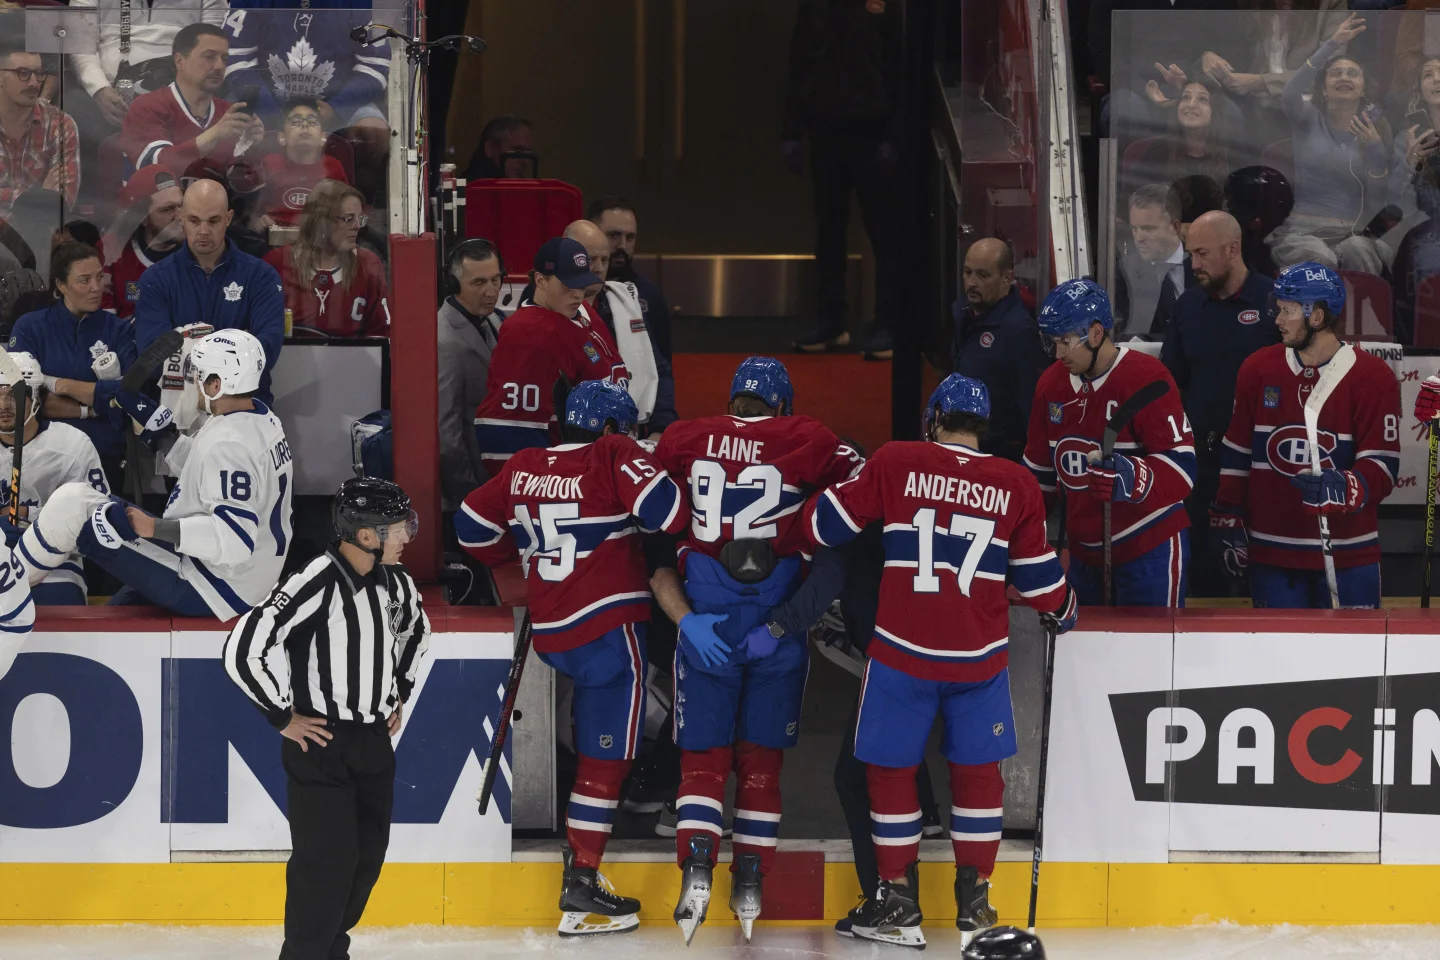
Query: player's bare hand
x,y
1353,26
393,724
301,729
143,523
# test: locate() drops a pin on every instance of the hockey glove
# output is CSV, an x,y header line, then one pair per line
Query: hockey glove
x,y
1332,491
154,418
1427,402
760,642
110,525
1120,478
1232,541
12,533
1063,620
697,633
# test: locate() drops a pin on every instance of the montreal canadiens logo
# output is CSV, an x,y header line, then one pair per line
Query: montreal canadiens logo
x,y
296,198
1072,460
1248,317
581,260
987,339
1288,450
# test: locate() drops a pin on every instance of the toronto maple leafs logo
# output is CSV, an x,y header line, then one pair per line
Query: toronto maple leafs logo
x,y
301,73
232,291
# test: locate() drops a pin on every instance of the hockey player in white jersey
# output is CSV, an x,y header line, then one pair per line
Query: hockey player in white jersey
x,y
55,454
220,546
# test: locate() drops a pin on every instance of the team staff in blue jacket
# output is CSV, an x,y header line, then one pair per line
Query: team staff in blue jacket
x,y
210,281
82,350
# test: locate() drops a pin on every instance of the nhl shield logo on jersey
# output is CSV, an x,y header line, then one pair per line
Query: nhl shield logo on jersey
x,y
1057,412
592,353
606,741
1288,450
1072,460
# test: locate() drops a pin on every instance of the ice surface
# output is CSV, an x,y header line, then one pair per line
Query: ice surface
x,y
718,940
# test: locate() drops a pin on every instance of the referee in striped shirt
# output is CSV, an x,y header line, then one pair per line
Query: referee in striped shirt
x,y
350,631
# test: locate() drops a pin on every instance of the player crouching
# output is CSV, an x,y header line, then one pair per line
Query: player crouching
x,y
220,546
576,512
959,525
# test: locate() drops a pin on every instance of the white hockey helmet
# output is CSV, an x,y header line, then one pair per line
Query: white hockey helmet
x,y
34,378
234,356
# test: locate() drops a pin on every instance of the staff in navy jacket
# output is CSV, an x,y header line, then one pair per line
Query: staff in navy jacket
x,y
998,343
82,350
1217,324
210,281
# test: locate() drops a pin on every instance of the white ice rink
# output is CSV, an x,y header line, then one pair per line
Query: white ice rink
x,y
792,943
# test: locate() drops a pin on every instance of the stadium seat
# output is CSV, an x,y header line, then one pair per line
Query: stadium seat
x,y
1427,313
1369,307
519,215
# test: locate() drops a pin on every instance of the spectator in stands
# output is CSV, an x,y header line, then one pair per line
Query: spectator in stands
x,y
1155,271
998,343
1342,165
844,92
151,197
1226,317
616,218
40,146
209,281
1418,137
77,231
1418,257
301,163
1198,141
507,149
82,350
333,287
186,120
469,325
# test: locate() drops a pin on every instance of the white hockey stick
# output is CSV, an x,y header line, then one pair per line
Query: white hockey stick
x,y
1330,377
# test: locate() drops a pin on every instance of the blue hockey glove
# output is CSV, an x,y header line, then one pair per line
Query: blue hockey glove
x,y
1231,540
110,525
760,642
697,633
1333,491
12,533
1063,620
1120,478
146,411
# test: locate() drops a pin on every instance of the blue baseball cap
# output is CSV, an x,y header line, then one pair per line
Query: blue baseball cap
x,y
566,260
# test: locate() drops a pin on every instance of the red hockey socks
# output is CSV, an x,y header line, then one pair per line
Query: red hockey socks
x,y
757,802
977,815
895,823
700,805
592,807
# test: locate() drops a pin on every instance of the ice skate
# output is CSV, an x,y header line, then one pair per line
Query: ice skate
x,y
893,916
586,894
695,885
745,892
973,912
845,926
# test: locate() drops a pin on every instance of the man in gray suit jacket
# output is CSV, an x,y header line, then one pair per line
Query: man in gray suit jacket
x,y
469,326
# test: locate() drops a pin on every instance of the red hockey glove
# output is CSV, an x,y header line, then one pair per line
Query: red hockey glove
x,y
1427,403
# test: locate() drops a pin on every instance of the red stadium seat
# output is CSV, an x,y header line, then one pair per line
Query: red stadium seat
x,y
519,215
1369,307
1427,313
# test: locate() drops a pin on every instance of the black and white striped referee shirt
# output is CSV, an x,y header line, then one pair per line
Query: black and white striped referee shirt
x,y
351,645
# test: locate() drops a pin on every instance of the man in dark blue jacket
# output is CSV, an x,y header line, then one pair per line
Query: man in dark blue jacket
x,y
997,343
210,281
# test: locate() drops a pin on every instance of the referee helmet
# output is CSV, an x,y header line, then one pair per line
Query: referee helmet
x,y
375,504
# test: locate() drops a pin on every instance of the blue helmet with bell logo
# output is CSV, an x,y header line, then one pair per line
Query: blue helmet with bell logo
x,y
1073,306
1310,283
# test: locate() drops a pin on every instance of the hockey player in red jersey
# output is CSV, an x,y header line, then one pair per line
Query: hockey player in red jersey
x,y
1267,511
739,674
959,526
575,514
1147,479
545,342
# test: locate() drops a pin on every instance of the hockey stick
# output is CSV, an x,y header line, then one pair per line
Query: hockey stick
x,y
1330,376
1037,854
1122,416
507,708
1430,511
144,370
10,376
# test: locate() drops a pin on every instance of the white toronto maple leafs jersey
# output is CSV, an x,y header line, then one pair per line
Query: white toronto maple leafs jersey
x,y
58,453
233,504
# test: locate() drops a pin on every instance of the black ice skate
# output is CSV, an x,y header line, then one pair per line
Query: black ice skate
x,y
745,892
973,912
894,915
695,884
585,894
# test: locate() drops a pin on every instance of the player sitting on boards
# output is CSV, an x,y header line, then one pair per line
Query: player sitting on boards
x,y
576,512
959,525
220,546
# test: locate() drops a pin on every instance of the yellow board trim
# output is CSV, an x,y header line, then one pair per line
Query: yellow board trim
x,y
524,894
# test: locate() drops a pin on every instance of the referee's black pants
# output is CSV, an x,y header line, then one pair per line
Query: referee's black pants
x,y
340,799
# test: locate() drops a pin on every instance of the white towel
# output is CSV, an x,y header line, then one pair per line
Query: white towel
x,y
634,342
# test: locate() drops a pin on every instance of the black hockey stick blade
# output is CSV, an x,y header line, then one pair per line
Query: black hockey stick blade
x,y
146,368
1124,413
507,709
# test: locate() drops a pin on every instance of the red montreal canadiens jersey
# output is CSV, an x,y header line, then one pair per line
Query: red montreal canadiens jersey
x,y
959,524
1358,429
159,128
750,476
535,349
125,273
1067,421
575,514
288,185
322,304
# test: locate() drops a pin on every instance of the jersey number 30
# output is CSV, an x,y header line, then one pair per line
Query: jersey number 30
x,y
977,531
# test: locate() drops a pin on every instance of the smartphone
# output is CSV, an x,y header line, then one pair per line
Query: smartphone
x,y
1373,113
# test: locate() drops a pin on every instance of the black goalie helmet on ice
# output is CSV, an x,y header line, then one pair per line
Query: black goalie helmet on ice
x,y
374,503
1005,943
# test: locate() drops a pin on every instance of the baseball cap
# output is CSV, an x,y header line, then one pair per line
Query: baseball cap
x,y
145,183
567,260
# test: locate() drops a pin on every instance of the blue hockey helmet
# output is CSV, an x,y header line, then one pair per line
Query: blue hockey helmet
x,y
957,394
593,402
1073,306
766,379
1310,283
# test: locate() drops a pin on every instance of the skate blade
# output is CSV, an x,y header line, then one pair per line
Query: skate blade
x,y
747,926
576,924
695,907
912,937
